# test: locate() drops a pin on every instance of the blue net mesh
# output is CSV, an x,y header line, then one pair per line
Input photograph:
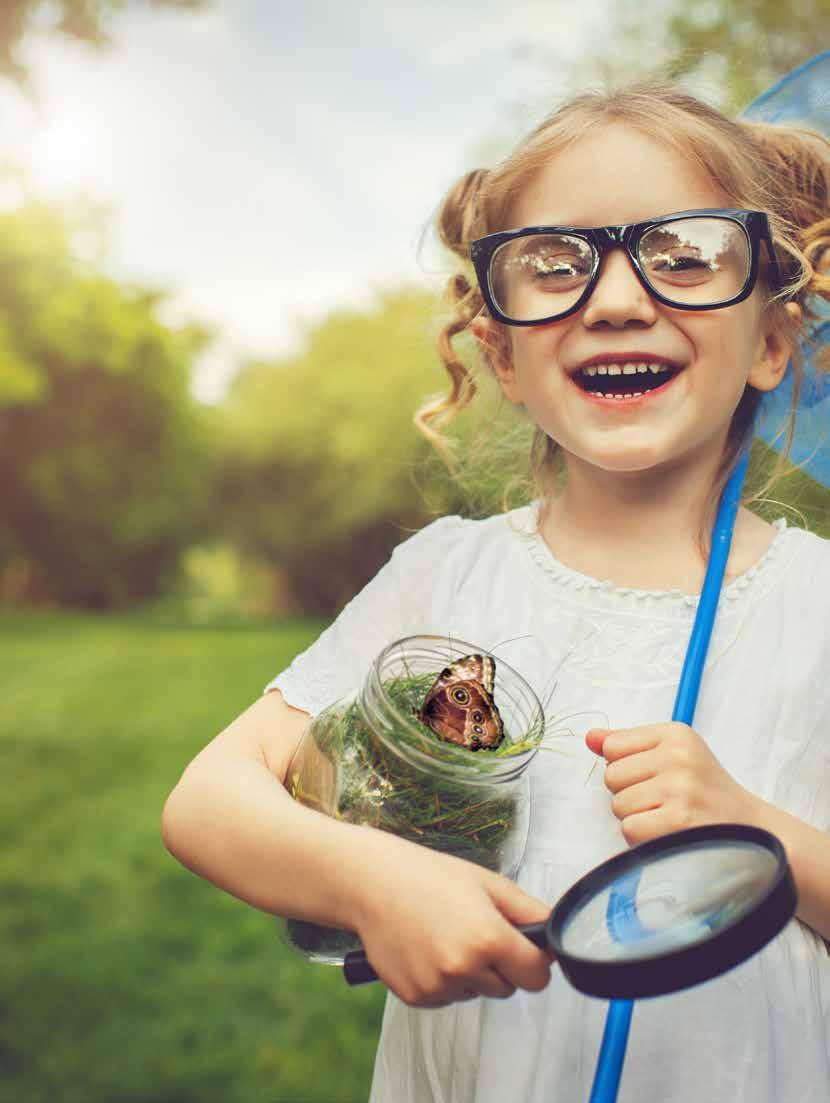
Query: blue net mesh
x,y
802,98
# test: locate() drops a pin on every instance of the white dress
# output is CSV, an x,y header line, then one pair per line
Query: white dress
x,y
758,1034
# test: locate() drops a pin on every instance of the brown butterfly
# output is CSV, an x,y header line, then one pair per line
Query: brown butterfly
x,y
459,706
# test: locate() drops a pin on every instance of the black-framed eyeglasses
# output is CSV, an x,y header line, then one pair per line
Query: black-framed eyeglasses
x,y
692,260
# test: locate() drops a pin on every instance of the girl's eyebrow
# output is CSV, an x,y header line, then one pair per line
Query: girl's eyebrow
x,y
663,235
548,221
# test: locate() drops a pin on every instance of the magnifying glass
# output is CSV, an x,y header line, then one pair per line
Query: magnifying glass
x,y
663,916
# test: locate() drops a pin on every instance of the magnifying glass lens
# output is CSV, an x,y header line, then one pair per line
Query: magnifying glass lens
x,y
669,902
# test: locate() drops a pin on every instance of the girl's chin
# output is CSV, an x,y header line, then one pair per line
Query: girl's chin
x,y
629,457
652,459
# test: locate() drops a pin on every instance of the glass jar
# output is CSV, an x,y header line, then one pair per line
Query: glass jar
x,y
367,759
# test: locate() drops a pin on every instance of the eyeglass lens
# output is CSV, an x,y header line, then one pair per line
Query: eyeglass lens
x,y
690,261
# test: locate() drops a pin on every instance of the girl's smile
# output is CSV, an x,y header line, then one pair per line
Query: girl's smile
x,y
618,380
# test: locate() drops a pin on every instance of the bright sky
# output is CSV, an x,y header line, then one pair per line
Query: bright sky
x,y
266,160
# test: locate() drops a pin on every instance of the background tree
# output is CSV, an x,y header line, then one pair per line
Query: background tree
x,y
727,50
318,452
104,453
82,20
749,44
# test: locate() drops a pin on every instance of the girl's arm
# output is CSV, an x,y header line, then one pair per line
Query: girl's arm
x,y
435,928
231,820
808,852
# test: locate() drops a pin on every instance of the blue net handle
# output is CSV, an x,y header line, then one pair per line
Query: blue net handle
x,y
622,909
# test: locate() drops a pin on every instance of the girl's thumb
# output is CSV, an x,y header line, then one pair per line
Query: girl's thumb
x,y
516,905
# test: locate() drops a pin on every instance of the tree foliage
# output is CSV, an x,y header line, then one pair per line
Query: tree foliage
x,y
103,452
753,43
321,468
730,50
81,20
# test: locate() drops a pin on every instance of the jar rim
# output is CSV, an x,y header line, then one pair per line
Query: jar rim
x,y
458,761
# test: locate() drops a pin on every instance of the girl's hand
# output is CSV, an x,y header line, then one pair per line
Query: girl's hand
x,y
664,778
438,929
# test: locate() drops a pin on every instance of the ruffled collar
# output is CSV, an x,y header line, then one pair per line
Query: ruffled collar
x,y
606,594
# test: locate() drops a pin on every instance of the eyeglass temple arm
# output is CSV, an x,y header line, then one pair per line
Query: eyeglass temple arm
x,y
773,259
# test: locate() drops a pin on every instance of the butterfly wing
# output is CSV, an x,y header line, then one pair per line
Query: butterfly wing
x,y
475,668
443,717
459,707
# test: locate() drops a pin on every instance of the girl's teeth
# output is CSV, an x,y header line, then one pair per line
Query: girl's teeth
x,y
632,368
618,397
625,369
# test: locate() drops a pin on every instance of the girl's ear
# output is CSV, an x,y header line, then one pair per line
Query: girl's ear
x,y
494,345
774,349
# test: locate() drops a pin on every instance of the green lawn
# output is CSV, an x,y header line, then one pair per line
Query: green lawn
x,y
124,978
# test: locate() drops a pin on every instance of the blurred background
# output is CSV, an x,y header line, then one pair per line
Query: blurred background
x,y
219,298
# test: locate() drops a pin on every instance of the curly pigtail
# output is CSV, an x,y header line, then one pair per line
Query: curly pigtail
x,y
459,221
798,161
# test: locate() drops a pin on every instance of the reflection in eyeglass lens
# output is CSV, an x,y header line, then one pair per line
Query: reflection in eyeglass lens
x,y
541,274
696,260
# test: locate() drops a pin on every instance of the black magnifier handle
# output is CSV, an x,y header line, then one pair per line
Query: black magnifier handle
x,y
357,970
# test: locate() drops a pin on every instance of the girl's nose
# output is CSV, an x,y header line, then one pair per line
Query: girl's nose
x,y
619,299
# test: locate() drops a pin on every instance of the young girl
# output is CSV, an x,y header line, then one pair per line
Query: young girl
x,y
641,356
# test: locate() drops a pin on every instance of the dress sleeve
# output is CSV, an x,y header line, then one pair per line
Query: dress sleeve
x,y
394,604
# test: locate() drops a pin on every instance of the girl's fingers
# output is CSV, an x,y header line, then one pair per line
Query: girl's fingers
x,y
489,983
522,963
620,744
642,797
645,826
629,771
595,738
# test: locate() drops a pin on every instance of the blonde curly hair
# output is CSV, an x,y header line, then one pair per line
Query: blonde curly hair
x,y
784,171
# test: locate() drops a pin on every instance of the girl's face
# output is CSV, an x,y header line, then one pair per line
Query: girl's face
x,y
619,175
